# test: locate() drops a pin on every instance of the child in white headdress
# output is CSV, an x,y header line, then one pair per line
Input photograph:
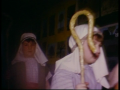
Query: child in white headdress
x,y
28,66
67,70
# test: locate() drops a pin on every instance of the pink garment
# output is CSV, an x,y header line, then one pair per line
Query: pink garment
x,y
31,70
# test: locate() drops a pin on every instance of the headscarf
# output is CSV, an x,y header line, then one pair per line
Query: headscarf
x,y
39,55
71,61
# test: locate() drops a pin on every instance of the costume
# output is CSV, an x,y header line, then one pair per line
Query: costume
x,y
67,69
29,70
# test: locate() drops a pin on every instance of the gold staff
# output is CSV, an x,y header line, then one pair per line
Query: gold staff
x,y
78,41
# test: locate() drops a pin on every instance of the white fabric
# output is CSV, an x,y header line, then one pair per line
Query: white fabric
x,y
39,55
71,61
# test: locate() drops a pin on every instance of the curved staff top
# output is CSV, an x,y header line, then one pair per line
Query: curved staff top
x,y
78,41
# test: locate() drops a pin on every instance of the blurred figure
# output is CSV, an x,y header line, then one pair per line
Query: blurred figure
x,y
29,69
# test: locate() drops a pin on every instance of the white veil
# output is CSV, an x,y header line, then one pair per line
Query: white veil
x,y
39,55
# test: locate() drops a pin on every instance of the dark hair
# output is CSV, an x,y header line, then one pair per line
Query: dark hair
x,y
29,40
99,37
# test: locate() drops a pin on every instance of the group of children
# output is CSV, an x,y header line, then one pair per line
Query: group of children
x,y
29,68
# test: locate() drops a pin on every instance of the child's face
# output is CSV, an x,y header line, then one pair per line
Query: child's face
x,y
28,48
89,57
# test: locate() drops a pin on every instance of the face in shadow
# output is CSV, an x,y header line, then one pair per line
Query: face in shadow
x,y
28,48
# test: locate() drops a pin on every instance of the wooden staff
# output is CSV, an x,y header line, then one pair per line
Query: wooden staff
x,y
78,41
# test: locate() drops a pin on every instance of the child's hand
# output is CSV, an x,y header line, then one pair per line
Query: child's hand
x,y
82,86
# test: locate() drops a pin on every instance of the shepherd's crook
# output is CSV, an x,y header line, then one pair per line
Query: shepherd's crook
x,y
90,34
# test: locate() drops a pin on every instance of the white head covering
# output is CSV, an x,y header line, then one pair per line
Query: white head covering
x,y
71,61
39,55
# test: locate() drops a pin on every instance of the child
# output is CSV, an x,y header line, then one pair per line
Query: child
x,y
67,70
28,67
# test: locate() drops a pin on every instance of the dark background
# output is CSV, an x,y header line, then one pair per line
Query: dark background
x,y
26,14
